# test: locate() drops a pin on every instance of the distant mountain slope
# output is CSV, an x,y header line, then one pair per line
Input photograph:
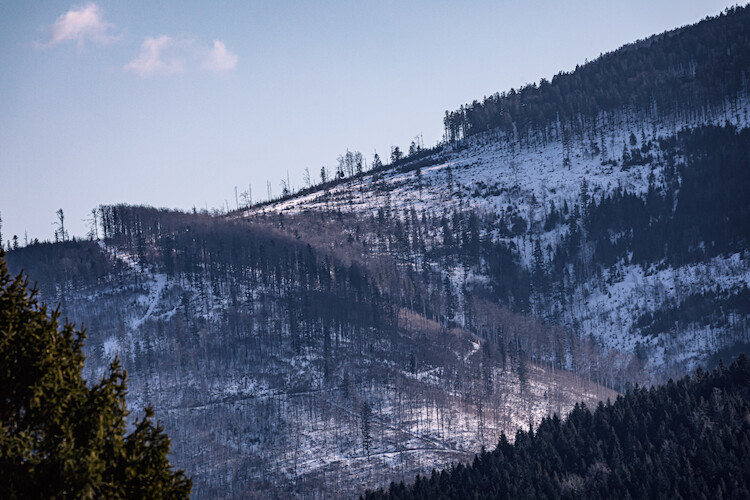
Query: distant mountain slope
x,y
682,72
625,225
651,223
686,439
290,365
566,241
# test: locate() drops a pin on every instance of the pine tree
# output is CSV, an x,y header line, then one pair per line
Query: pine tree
x,y
377,164
685,439
539,271
59,436
396,154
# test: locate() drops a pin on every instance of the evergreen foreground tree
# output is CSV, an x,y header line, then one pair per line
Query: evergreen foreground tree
x,y
59,436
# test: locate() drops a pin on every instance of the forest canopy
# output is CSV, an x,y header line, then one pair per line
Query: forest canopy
x,y
685,439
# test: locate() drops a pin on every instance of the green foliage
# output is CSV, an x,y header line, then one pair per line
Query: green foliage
x,y
60,437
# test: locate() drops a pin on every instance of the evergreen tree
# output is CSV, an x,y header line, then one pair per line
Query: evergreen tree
x,y
396,154
686,439
377,164
59,436
539,271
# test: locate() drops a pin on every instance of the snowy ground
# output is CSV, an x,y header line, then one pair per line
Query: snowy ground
x,y
609,311
494,175
242,417
272,421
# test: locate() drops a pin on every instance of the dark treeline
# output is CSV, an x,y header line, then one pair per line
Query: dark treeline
x,y
700,210
414,257
696,210
343,270
685,439
275,293
225,256
64,265
707,308
80,261
685,71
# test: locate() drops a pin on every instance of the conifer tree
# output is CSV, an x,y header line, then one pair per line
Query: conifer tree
x,y
59,436
377,164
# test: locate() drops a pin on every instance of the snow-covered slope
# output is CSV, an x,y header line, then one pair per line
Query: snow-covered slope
x,y
251,417
492,174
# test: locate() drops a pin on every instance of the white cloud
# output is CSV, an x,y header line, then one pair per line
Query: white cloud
x,y
152,60
220,59
81,24
163,55
158,55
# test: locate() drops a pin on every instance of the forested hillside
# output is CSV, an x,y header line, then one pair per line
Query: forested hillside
x,y
289,355
685,439
623,225
683,72
566,242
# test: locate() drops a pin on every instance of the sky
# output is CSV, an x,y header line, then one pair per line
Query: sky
x,y
173,103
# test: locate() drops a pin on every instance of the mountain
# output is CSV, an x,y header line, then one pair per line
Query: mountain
x,y
648,258
686,439
284,362
566,242
625,218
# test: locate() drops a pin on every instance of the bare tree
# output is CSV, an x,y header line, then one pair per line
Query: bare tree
x,y
306,177
93,222
247,197
366,423
60,233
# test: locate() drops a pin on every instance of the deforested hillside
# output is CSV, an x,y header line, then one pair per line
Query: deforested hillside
x,y
621,221
685,439
599,247
285,355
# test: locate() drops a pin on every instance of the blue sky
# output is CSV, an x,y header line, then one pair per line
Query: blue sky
x,y
175,103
